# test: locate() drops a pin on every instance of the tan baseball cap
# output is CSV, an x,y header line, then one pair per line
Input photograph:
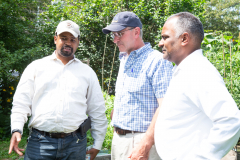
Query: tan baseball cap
x,y
68,26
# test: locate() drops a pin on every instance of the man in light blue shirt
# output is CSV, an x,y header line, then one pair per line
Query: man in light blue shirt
x,y
142,82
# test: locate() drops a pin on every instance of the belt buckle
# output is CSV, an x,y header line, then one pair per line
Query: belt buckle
x,y
121,131
118,131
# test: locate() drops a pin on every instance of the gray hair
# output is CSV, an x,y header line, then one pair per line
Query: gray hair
x,y
187,22
141,31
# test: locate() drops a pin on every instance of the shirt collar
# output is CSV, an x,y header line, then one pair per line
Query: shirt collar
x,y
54,57
142,50
122,54
186,61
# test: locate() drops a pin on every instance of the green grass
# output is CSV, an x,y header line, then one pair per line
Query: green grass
x,y
4,146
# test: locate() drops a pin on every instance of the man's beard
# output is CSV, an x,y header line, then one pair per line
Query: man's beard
x,y
64,53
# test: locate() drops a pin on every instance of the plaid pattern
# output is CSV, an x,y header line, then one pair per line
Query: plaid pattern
x,y
143,77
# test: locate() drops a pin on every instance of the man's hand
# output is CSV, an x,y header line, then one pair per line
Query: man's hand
x,y
16,138
93,152
140,153
142,150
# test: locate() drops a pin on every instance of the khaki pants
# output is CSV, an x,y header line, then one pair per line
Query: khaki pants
x,y
232,155
122,146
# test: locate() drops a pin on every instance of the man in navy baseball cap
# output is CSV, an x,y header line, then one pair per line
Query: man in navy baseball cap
x,y
121,21
142,81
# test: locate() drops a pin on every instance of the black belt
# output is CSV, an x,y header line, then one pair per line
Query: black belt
x,y
124,132
56,135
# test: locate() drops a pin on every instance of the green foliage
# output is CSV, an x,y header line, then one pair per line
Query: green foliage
x,y
222,15
224,54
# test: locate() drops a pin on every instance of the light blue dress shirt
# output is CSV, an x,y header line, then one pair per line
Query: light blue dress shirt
x,y
143,77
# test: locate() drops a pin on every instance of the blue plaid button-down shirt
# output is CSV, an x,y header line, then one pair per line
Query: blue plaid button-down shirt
x,y
143,77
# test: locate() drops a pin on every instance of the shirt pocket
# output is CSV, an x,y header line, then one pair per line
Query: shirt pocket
x,y
138,84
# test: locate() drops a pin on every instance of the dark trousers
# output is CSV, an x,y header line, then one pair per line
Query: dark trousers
x,y
72,147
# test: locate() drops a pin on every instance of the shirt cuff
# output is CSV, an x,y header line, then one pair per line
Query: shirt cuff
x,y
97,145
17,125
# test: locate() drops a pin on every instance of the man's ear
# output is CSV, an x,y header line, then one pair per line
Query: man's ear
x,y
185,39
137,31
55,39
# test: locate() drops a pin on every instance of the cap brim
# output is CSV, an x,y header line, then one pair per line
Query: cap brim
x,y
70,31
112,28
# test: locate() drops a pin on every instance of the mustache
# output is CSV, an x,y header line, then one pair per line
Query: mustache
x,y
163,49
66,54
67,46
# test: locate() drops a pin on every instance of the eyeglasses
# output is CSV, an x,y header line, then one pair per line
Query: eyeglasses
x,y
119,34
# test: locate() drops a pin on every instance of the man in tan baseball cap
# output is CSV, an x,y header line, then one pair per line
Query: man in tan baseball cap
x,y
68,26
65,51
61,94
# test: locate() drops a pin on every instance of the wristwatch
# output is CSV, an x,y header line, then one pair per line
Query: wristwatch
x,y
16,130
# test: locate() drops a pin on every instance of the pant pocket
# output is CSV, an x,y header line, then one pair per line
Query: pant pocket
x,y
35,136
79,137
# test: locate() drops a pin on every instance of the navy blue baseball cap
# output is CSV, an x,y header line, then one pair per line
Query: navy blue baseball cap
x,y
123,20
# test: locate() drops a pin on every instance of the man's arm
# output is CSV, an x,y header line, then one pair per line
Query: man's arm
x,y
22,102
218,105
142,150
96,111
